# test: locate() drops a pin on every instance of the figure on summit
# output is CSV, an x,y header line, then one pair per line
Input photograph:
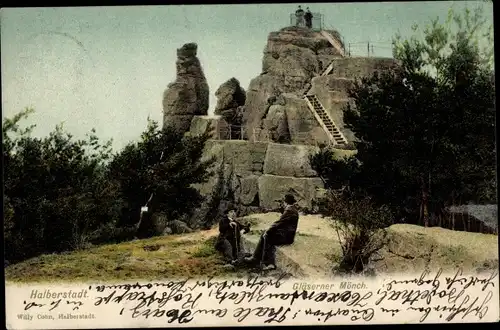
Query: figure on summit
x,y
308,17
299,14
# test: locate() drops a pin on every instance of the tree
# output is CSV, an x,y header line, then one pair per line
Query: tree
x,y
140,171
426,131
54,188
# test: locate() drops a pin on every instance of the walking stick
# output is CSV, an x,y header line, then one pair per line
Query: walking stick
x,y
263,252
237,242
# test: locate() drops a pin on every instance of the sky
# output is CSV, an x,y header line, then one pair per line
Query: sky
x,y
107,67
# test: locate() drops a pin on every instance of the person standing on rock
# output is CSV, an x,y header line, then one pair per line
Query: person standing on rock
x,y
299,14
282,232
308,18
229,239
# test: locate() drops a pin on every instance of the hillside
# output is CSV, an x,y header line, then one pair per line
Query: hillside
x,y
410,249
168,256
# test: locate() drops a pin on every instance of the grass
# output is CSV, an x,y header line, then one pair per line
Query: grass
x,y
173,256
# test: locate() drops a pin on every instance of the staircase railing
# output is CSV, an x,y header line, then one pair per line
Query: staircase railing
x,y
314,104
334,42
321,115
318,119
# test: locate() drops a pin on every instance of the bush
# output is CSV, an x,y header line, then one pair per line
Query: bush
x,y
360,226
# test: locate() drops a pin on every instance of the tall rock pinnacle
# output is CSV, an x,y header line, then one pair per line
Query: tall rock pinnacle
x,y
292,57
188,95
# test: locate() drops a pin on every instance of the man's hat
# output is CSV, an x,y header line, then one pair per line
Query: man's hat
x,y
229,207
289,199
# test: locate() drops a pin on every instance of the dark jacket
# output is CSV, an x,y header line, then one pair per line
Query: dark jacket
x,y
225,229
224,224
282,232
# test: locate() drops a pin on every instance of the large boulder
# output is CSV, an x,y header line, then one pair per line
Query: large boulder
x,y
212,189
262,90
230,98
302,125
289,160
188,95
246,190
217,126
245,157
273,188
277,124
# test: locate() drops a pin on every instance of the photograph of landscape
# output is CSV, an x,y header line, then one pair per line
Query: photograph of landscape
x,y
306,140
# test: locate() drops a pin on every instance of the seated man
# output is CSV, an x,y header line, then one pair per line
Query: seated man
x,y
229,239
282,232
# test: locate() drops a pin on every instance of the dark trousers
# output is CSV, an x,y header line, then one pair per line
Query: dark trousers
x,y
227,249
231,249
265,252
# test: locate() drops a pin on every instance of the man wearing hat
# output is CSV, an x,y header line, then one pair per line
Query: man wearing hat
x,y
229,239
282,232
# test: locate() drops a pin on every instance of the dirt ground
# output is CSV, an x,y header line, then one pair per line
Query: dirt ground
x,y
408,248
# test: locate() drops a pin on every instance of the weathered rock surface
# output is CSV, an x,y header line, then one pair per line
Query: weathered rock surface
x,y
246,158
292,57
188,95
246,190
289,160
230,100
303,127
252,175
216,125
212,189
409,249
293,60
272,188
276,123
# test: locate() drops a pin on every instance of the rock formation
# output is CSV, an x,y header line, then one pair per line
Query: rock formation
x,y
293,62
253,175
292,57
188,95
230,96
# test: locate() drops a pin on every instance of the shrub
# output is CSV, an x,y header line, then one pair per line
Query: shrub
x,y
359,225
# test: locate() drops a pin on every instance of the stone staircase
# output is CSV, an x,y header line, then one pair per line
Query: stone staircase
x,y
324,120
315,105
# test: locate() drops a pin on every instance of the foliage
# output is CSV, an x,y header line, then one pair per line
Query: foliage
x,y
360,226
55,190
139,172
63,194
426,135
